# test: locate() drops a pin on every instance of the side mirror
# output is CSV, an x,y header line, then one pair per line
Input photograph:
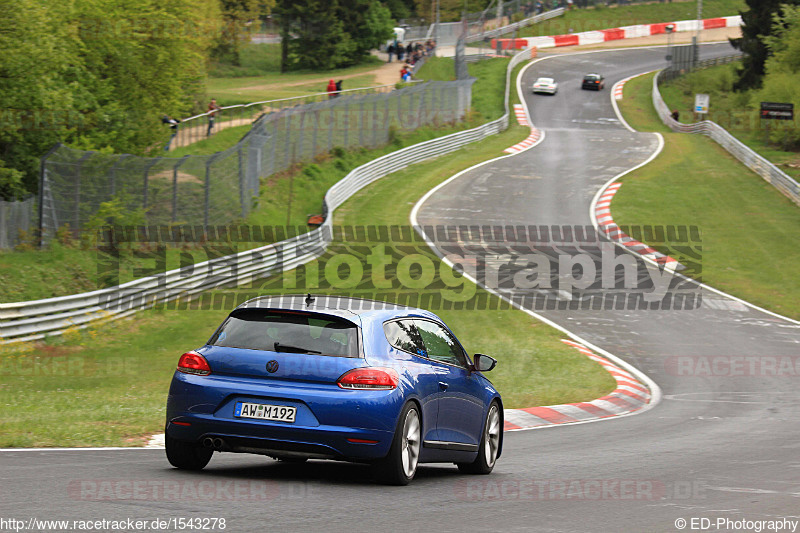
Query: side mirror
x,y
483,363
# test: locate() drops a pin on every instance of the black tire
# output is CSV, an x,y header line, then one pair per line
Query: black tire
x,y
400,465
489,446
186,455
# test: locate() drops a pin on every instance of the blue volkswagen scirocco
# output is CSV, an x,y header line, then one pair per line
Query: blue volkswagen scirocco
x,y
324,377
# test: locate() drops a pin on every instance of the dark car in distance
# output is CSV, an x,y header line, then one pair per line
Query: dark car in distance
x,y
593,82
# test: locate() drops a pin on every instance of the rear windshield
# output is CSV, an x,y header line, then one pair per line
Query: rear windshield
x,y
258,329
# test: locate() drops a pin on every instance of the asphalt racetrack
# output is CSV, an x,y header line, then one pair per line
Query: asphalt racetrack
x,y
719,446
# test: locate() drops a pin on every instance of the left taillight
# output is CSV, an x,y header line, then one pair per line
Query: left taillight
x,y
193,363
369,378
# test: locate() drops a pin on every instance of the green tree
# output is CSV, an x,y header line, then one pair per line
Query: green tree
x,y
144,59
369,24
237,18
400,9
330,34
757,24
782,69
312,36
96,74
35,72
450,10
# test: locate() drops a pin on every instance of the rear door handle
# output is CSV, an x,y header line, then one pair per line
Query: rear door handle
x,y
443,385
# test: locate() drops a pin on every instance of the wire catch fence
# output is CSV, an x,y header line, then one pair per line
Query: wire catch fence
x,y
219,188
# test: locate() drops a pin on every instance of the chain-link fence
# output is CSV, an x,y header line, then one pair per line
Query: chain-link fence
x,y
489,22
16,218
219,189
196,128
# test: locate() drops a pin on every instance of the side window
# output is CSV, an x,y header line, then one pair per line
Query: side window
x,y
403,335
440,344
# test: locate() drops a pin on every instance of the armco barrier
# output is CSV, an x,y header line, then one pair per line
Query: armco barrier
x,y
613,34
33,320
503,30
772,174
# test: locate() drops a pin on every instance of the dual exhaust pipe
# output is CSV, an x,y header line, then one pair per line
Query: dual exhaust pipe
x,y
216,443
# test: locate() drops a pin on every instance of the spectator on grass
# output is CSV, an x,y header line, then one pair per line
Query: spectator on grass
x,y
338,87
212,114
400,51
390,51
331,89
173,125
409,49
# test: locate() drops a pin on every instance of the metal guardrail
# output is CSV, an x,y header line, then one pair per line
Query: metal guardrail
x,y
34,320
448,33
491,34
758,164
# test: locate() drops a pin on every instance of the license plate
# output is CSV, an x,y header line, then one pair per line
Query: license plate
x,y
281,413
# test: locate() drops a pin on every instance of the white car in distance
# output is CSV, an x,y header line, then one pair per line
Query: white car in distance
x,y
545,86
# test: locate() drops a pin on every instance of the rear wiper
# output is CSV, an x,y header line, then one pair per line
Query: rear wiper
x,y
294,349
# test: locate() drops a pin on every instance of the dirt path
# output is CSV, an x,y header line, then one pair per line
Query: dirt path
x,y
384,74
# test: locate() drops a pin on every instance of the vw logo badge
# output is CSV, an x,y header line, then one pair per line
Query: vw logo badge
x,y
272,366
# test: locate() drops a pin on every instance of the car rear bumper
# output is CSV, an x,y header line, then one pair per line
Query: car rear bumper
x,y
201,407
270,438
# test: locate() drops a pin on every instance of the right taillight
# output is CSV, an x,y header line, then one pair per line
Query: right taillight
x,y
369,378
193,363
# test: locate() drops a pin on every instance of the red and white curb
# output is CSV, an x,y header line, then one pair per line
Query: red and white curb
x,y
532,139
619,86
629,396
522,116
605,221
614,34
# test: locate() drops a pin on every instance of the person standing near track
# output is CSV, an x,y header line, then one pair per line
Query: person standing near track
x,y
212,114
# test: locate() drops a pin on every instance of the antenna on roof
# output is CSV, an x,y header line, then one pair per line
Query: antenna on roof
x,y
309,299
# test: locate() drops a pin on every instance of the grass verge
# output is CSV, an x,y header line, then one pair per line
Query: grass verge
x,y
259,77
737,112
748,228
